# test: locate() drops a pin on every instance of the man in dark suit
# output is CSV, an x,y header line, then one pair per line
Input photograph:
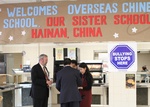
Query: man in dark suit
x,y
67,82
74,64
40,82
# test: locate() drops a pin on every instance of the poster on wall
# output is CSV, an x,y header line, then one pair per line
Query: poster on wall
x,y
122,56
71,53
75,21
130,81
59,54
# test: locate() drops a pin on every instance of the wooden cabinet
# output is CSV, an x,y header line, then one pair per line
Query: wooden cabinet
x,y
3,79
17,78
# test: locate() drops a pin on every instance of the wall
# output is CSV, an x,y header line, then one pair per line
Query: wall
x,y
1,48
143,59
13,60
32,51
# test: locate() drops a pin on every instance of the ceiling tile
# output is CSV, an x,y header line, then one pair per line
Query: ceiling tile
x,y
15,1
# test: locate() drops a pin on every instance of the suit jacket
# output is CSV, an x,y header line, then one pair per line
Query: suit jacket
x,y
39,87
67,82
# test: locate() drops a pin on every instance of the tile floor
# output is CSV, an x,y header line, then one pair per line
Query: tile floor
x,y
57,106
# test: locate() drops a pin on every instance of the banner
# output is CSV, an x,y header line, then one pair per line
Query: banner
x,y
75,21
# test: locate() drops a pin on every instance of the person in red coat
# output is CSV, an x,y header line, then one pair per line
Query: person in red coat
x,y
86,89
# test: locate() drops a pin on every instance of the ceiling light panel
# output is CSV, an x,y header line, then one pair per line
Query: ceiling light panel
x,y
15,1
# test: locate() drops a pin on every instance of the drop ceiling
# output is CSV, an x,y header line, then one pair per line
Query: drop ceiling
x,y
16,1
26,1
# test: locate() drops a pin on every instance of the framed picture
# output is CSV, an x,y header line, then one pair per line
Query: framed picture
x,y
59,54
130,81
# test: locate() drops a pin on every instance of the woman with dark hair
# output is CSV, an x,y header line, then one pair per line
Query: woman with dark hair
x,y
86,89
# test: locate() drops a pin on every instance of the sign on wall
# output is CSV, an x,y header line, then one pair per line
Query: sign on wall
x,y
130,81
75,21
122,56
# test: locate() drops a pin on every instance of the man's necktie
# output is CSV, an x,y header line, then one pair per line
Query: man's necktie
x,y
45,73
